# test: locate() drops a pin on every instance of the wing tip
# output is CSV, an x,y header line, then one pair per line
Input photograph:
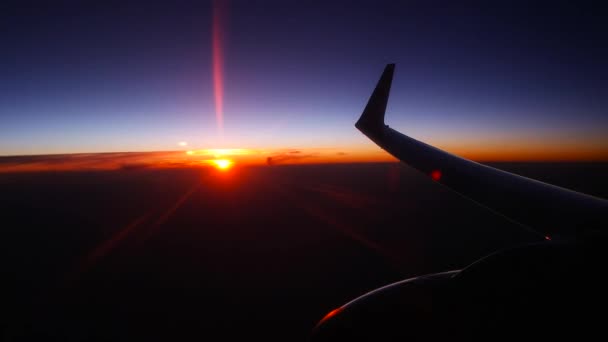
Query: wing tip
x,y
372,118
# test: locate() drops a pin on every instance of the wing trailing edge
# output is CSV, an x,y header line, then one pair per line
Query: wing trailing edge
x,y
545,208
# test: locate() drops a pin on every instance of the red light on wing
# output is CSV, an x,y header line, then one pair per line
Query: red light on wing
x,y
436,175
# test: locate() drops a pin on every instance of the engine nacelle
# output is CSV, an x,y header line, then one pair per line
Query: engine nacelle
x,y
542,290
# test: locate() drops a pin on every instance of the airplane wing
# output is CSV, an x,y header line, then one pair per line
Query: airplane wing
x,y
549,210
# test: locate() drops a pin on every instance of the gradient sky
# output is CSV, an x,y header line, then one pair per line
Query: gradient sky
x,y
489,82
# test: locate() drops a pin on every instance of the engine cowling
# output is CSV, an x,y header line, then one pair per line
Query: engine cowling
x,y
541,290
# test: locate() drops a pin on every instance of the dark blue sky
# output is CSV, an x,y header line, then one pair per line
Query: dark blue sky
x,y
138,77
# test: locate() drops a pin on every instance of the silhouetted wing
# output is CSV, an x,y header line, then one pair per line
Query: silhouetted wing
x,y
546,208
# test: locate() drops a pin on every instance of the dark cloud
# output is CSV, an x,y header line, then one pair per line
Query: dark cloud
x,y
93,161
134,166
287,156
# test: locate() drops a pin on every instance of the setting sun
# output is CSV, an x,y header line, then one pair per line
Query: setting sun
x,y
222,164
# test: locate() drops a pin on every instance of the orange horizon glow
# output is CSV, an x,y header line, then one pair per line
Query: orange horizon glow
x,y
284,156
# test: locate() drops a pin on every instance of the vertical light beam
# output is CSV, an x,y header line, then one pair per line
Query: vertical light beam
x,y
218,65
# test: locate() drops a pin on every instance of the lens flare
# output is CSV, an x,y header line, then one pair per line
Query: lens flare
x,y
218,76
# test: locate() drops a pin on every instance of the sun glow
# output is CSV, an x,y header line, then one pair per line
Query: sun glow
x,y
221,152
227,152
222,164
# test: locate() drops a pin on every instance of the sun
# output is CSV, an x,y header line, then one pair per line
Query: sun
x,y
222,164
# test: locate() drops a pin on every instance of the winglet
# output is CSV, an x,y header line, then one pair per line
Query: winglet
x,y
372,119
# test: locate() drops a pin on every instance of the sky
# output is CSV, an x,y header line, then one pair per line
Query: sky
x,y
516,81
